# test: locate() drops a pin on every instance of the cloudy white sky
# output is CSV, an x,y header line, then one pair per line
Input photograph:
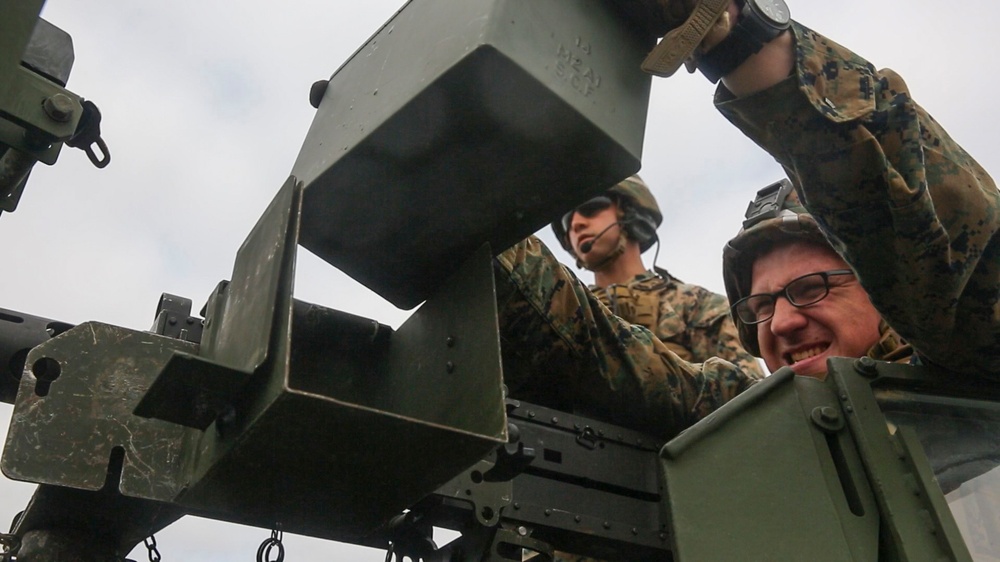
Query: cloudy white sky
x,y
205,108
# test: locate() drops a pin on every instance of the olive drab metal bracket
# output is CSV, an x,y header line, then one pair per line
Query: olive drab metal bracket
x,y
236,427
37,113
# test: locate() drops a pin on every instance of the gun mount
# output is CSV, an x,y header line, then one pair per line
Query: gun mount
x,y
270,411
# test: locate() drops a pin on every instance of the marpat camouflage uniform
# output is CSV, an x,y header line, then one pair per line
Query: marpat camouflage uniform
x,y
563,348
691,321
903,203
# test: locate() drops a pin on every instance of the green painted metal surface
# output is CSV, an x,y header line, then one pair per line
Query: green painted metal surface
x,y
74,408
758,481
801,469
22,91
460,123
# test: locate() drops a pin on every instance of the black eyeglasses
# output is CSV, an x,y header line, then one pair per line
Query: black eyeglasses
x,y
588,209
801,291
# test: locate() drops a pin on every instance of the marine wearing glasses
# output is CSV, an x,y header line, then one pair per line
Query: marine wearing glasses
x,y
799,292
587,209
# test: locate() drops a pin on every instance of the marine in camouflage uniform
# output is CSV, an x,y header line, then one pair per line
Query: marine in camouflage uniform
x,y
909,210
914,215
562,347
690,320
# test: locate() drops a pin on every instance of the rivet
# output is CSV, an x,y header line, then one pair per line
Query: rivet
x,y
577,518
548,512
517,505
450,341
607,524
531,414
450,367
522,530
635,531
555,420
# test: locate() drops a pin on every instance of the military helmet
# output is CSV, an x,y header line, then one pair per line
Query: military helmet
x,y
640,213
774,217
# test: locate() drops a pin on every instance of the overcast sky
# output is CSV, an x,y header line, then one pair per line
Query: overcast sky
x,y
205,108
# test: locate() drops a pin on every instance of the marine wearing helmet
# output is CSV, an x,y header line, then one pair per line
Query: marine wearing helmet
x,y
607,234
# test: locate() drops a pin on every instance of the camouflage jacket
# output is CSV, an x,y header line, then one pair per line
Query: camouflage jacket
x,y
898,198
692,321
562,348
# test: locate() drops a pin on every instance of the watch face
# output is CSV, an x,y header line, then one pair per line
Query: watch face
x,y
774,10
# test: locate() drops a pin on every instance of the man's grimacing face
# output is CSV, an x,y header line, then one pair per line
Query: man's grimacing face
x,y
844,324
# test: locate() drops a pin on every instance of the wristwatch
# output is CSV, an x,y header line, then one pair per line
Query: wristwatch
x,y
759,22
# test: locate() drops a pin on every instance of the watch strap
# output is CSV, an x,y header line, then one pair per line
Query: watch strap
x,y
737,47
677,45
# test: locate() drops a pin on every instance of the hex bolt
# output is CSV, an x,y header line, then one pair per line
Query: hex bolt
x,y
866,366
59,107
828,414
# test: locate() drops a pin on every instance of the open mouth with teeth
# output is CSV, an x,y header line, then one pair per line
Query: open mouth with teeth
x,y
803,354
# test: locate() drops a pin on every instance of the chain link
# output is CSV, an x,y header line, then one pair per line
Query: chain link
x,y
150,542
272,543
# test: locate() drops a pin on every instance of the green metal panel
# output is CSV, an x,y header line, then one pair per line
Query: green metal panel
x,y
460,123
63,431
329,427
918,522
758,480
801,469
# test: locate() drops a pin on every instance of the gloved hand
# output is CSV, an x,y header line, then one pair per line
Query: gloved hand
x,y
690,24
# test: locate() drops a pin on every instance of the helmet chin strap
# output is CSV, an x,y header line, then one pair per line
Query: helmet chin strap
x,y
612,255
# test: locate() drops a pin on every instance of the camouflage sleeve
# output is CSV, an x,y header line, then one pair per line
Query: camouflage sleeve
x,y
563,348
901,201
711,331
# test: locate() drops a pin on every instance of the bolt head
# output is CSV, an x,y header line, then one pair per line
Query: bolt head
x,y
59,107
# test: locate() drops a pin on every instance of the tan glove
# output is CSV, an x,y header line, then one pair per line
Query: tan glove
x,y
690,23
